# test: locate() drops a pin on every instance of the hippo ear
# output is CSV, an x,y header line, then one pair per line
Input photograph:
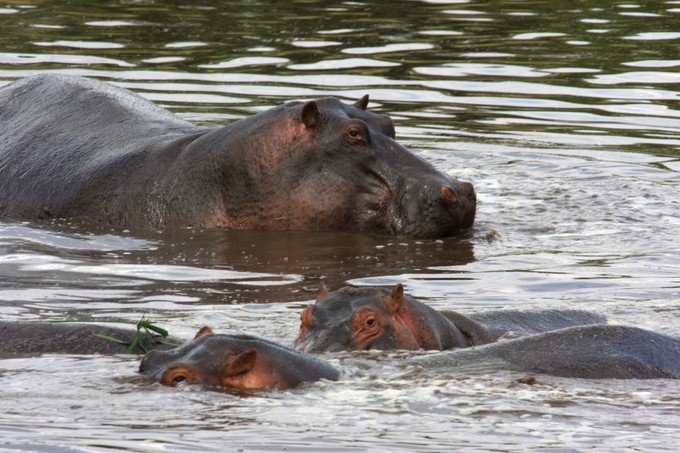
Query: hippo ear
x,y
310,114
205,330
323,292
398,292
307,316
394,301
236,364
362,103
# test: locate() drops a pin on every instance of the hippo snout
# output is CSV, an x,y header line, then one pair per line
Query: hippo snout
x,y
466,203
468,191
436,210
463,192
460,201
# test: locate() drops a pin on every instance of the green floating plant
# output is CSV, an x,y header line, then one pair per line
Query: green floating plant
x,y
143,338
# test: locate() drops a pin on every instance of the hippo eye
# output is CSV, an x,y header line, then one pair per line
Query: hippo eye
x,y
174,377
370,321
178,378
179,373
357,134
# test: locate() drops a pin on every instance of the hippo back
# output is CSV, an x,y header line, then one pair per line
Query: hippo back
x,y
25,339
514,323
593,352
63,136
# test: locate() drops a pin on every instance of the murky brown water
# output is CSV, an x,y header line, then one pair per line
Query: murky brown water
x,y
564,116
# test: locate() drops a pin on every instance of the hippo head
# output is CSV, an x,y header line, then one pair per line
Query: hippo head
x,y
367,318
235,361
328,165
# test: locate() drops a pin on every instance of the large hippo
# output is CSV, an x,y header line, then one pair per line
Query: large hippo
x,y
380,318
72,147
591,352
235,361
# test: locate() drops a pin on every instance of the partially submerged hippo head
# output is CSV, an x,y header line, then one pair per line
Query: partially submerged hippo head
x,y
324,164
374,318
235,361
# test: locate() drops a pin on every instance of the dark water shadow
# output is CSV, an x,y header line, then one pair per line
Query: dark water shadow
x,y
305,257
331,257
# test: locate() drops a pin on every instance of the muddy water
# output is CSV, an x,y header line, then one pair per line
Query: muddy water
x,y
564,116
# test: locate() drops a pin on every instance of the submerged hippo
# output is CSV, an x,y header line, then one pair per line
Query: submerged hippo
x,y
236,361
379,318
569,343
29,338
72,147
249,363
591,352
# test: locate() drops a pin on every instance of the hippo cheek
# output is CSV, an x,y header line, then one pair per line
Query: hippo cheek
x,y
398,336
359,202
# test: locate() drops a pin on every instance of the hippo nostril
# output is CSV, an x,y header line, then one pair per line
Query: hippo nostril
x,y
449,194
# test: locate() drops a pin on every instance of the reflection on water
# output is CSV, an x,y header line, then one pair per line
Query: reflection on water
x,y
564,116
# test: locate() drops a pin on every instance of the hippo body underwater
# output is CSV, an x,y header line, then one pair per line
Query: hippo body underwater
x,y
379,318
590,352
72,147
249,363
29,338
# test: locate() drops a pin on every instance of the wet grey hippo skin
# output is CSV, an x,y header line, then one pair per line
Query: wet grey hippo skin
x,y
570,343
246,362
235,361
72,147
25,338
592,352
380,318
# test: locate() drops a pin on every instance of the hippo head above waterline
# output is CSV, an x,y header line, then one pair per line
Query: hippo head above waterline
x,y
72,147
375,318
385,318
349,173
241,362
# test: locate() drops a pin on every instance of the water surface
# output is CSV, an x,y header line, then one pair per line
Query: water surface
x,y
563,115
